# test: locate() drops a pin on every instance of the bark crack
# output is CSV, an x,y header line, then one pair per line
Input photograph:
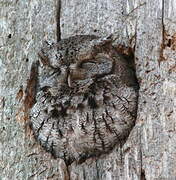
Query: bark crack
x,y
140,153
31,88
163,34
98,176
58,15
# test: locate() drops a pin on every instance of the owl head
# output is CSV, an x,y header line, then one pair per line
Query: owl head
x,y
86,100
80,60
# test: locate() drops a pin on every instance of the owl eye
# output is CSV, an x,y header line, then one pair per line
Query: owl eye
x,y
88,64
98,67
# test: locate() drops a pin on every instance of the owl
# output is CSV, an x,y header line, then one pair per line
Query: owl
x,y
86,100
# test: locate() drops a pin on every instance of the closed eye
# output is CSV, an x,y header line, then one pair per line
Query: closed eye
x,y
87,63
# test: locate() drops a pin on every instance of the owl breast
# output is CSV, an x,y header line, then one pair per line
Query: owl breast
x,y
87,98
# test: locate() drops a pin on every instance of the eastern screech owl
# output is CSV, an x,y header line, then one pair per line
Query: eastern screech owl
x,y
87,98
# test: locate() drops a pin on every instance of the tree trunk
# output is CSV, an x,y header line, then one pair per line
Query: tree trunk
x,y
146,26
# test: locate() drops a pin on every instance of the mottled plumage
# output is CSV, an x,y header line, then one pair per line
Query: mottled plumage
x,y
87,98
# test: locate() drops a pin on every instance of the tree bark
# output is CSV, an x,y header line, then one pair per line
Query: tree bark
x,y
146,26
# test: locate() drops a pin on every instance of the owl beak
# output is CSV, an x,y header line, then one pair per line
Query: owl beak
x,y
69,81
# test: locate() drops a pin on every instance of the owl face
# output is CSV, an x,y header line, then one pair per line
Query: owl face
x,y
79,59
87,101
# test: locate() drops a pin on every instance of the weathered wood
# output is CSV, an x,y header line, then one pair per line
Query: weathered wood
x,y
149,26
156,60
23,27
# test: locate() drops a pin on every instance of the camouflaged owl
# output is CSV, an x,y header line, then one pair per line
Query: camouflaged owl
x,y
86,100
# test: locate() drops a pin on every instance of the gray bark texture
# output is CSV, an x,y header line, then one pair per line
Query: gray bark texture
x,y
147,26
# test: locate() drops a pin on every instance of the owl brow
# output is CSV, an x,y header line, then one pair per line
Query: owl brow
x,y
89,61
